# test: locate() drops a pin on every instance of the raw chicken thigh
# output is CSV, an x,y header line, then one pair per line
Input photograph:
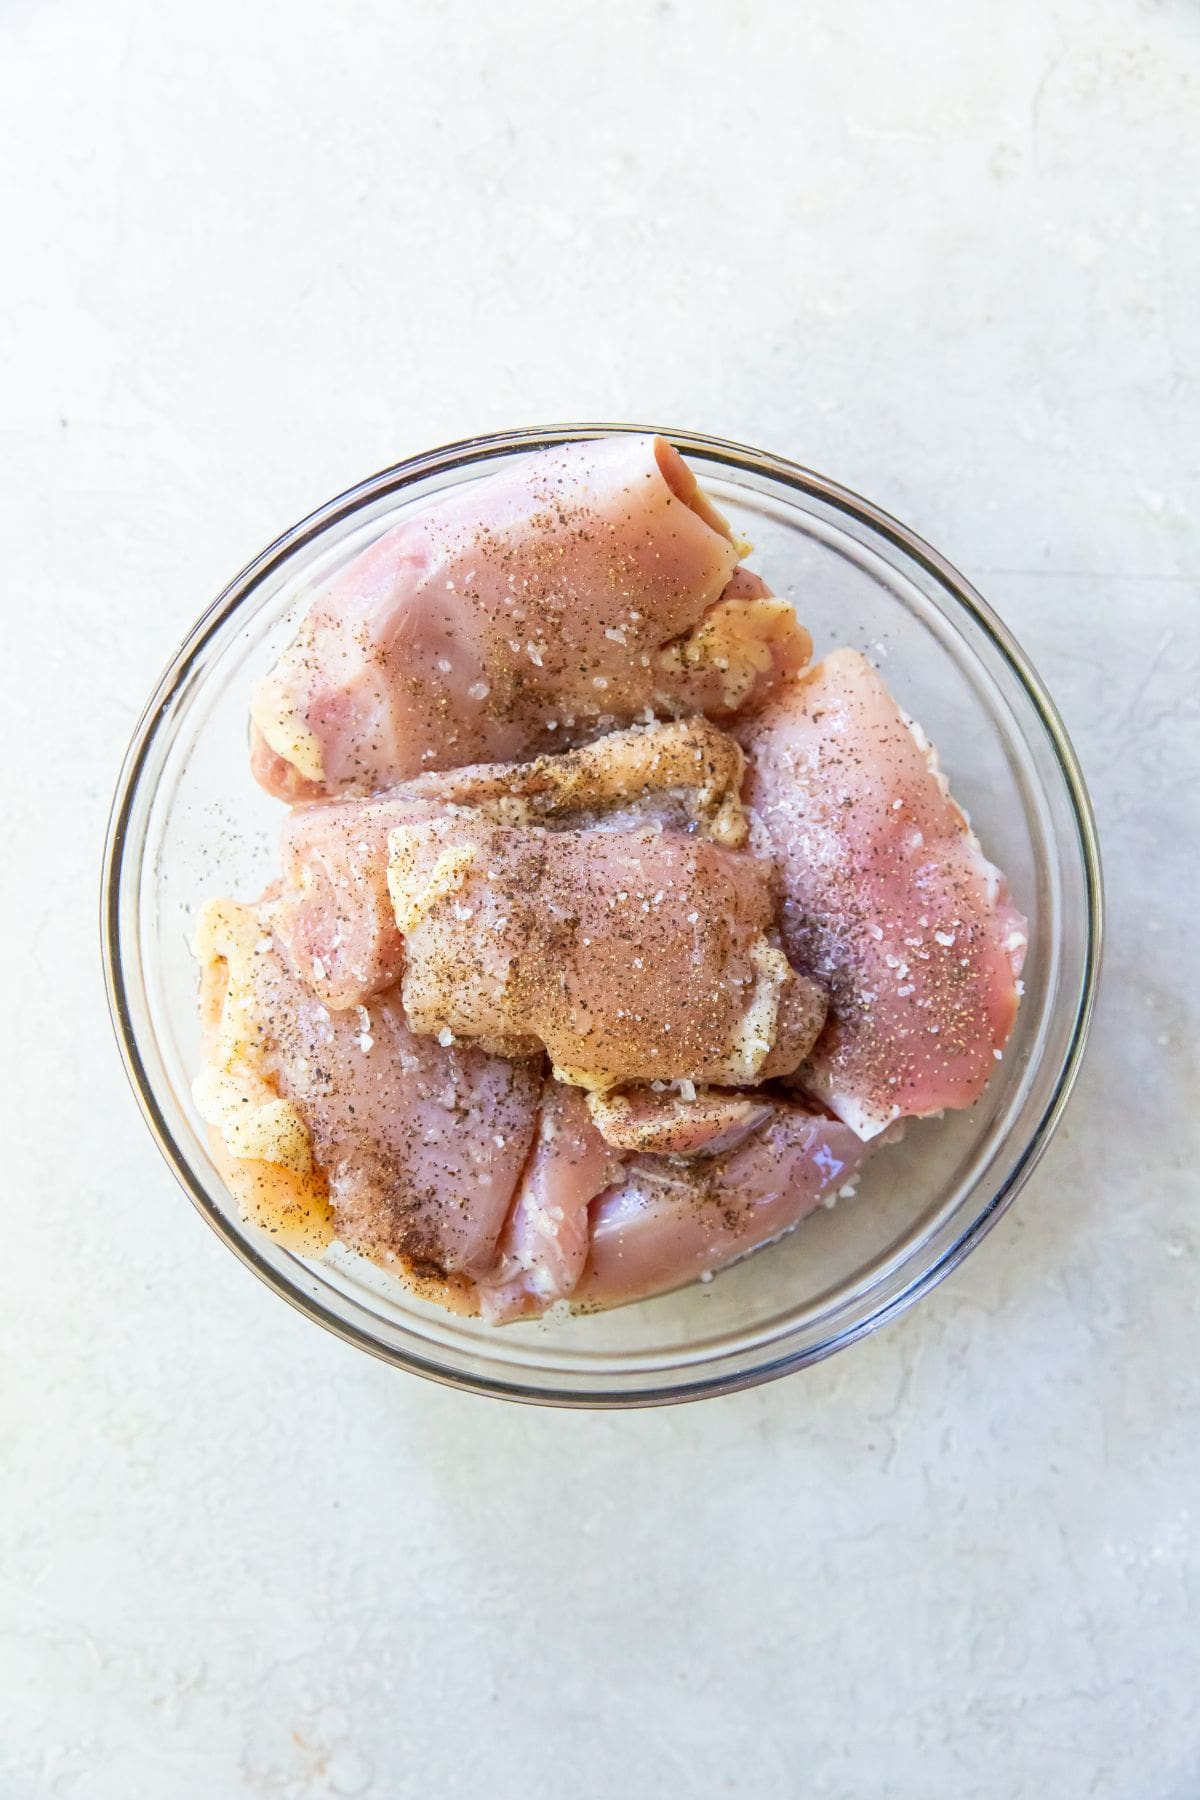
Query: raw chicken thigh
x,y
599,905
545,1243
417,1150
609,933
631,955
889,902
577,589
336,915
674,1123
670,1221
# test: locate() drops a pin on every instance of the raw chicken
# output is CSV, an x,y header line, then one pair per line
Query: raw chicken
x,y
544,1245
669,1221
695,1121
568,593
334,919
889,901
593,903
508,1021
418,1148
335,916
631,954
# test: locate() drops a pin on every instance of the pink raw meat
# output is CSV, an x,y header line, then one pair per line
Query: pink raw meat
x,y
889,902
544,1244
631,954
669,1222
567,593
422,1146
705,1121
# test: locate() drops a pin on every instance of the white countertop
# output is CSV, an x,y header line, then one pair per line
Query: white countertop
x,y
947,254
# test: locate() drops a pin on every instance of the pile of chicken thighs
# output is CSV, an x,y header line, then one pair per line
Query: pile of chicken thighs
x,y
610,930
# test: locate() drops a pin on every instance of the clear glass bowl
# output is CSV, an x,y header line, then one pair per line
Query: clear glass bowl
x,y
188,821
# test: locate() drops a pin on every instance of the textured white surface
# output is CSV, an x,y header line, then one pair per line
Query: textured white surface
x,y
945,252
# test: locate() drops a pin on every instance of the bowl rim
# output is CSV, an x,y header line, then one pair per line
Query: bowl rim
x,y
457,455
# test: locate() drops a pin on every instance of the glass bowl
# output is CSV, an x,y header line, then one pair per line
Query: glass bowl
x,y
188,821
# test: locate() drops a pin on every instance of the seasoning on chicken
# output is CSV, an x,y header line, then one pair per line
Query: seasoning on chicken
x,y
412,1151
631,954
889,902
544,1245
335,915
670,1222
577,589
681,1120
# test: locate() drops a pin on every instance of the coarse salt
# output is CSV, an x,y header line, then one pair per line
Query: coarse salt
x,y
445,1036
